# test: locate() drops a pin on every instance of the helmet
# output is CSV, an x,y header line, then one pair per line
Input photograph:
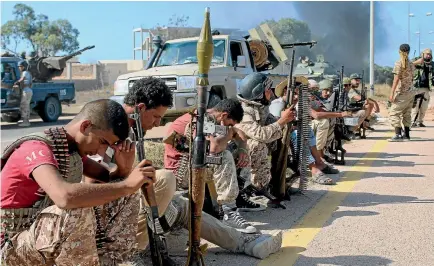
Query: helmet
x,y
22,63
253,86
355,76
313,83
325,84
346,81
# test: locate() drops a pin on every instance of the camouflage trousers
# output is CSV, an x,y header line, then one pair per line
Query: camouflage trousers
x,y
259,172
423,107
26,98
224,176
320,129
331,132
400,111
361,115
67,237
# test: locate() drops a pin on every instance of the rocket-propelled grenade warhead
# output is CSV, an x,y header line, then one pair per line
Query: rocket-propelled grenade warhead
x,y
205,50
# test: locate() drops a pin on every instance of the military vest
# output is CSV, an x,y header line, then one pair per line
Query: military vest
x,y
419,73
70,167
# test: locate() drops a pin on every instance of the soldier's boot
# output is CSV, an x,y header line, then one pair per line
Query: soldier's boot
x,y
406,134
398,135
420,124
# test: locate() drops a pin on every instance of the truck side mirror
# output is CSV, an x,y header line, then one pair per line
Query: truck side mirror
x,y
241,61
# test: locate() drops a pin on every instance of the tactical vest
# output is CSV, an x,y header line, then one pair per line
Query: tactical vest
x,y
70,167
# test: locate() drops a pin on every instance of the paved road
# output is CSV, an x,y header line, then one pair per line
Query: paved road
x,y
10,131
379,213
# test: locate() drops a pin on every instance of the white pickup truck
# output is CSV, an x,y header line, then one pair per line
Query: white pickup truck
x,y
175,62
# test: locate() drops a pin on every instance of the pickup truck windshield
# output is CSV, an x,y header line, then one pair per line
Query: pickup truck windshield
x,y
183,53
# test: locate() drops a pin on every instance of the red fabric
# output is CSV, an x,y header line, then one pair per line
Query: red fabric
x,y
18,188
171,155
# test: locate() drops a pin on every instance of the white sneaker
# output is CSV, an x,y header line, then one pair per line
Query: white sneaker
x,y
235,220
264,245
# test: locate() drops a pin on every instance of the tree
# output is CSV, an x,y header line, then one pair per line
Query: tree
x,y
43,36
182,29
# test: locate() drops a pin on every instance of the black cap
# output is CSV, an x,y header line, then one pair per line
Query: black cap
x,y
404,48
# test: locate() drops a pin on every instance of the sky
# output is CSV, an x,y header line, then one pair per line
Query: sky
x,y
109,25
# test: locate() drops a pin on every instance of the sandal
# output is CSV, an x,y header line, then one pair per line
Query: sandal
x,y
322,179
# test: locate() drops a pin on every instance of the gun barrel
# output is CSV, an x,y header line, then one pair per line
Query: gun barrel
x,y
67,57
292,45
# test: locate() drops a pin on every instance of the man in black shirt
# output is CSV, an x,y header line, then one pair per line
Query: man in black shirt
x,y
423,81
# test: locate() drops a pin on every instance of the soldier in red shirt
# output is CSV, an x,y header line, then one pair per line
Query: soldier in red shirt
x,y
43,169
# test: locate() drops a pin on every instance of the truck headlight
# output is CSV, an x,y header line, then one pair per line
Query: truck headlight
x,y
121,87
186,83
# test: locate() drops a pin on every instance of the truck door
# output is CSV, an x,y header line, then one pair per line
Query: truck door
x,y
10,74
239,60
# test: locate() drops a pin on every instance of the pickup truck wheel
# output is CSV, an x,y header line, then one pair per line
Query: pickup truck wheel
x,y
51,110
213,100
11,117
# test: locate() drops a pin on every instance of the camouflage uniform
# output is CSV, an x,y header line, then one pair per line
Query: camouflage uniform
x,y
400,111
426,91
69,237
256,125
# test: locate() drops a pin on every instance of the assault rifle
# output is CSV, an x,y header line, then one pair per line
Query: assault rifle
x,y
157,243
340,129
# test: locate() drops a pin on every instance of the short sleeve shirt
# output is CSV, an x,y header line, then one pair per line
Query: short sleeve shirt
x,y
27,79
405,76
18,188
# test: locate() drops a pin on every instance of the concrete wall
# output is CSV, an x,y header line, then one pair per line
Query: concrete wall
x,y
96,76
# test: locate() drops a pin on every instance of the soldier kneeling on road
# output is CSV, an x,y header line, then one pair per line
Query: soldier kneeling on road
x,y
48,216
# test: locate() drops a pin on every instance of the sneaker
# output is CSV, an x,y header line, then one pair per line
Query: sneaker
x,y
396,138
328,169
235,220
245,204
264,245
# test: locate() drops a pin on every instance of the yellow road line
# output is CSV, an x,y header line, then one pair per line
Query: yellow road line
x,y
296,239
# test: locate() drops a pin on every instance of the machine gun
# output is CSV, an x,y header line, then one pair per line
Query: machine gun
x,y
157,243
44,69
279,157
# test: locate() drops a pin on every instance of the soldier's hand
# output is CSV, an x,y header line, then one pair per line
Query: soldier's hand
x,y
243,159
142,174
125,153
288,115
391,100
346,114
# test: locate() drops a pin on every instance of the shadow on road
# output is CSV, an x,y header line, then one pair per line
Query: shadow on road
x,y
358,260
380,155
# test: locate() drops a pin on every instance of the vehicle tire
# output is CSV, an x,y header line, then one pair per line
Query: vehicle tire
x,y
11,117
213,100
50,110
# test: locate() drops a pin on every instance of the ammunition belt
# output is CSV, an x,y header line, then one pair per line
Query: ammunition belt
x,y
17,220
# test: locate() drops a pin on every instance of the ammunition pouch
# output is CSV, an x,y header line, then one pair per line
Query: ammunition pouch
x,y
14,221
169,222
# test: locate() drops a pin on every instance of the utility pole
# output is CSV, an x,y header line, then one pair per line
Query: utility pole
x,y
371,50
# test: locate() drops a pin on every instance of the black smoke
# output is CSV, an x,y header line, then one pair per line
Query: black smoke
x,y
342,31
